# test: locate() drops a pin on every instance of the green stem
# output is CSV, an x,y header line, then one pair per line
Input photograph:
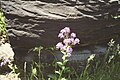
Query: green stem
x,y
25,71
31,75
84,73
39,66
64,63
61,72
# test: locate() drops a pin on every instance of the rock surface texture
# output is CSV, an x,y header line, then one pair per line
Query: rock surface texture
x,y
38,22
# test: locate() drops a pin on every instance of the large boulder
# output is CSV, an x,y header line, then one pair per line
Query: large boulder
x,y
37,22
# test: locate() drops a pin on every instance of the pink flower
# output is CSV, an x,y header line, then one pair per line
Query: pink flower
x,y
72,40
67,29
69,50
63,31
68,54
63,48
73,35
66,41
61,35
76,41
59,45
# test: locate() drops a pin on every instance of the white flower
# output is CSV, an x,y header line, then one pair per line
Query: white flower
x,y
6,53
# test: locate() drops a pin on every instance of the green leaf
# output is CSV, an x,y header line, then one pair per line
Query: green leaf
x,y
53,76
63,79
34,71
57,72
63,67
67,69
65,61
36,64
37,49
60,63
63,57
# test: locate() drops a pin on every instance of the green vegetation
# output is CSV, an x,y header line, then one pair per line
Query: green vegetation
x,y
2,24
3,33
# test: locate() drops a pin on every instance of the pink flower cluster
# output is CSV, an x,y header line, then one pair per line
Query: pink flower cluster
x,y
69,39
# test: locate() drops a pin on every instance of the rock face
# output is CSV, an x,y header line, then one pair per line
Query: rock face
x,y
37,22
